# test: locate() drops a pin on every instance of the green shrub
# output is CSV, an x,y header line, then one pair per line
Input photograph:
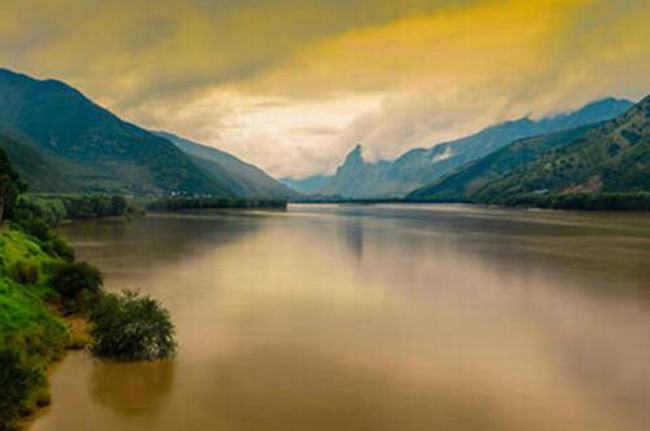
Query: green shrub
x,y
19,380
78,284
34,227
59,248
24,272
131,327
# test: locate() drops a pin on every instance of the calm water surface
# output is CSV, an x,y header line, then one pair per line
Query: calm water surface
x,y
374,318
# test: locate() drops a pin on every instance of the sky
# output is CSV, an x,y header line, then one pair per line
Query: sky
x,y
293,85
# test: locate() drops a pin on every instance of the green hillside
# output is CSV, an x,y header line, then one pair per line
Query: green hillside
x,y
93,149
60,141
609,157
34,169
243,179
464,184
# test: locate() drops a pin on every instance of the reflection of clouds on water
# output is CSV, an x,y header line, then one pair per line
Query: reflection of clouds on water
x,y
131,389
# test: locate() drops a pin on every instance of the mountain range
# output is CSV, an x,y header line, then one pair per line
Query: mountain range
x,y
611,157
356,178
61,141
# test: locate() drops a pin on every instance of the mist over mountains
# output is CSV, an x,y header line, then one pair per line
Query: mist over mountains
x,y
607,157
358,179
61,141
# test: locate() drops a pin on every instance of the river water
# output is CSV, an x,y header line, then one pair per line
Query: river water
x,y
374,318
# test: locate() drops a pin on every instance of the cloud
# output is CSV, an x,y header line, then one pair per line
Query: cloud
x,y
292,85
138,49
450,74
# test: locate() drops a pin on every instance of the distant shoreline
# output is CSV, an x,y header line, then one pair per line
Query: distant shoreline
x,y
592,202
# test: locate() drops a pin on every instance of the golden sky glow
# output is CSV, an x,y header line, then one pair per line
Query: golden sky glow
x,y
292,85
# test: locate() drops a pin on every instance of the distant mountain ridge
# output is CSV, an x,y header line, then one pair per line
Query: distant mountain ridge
x,y
359,179
242,178
82,147
611,156
306,186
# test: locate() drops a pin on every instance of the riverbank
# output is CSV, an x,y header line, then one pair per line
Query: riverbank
x,y
50,303
37,325
32,330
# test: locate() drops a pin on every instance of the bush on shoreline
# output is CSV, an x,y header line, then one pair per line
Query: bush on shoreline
x,y
78,283
17,378
131,327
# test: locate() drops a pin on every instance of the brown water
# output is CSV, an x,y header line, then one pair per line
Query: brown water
x,y
374,318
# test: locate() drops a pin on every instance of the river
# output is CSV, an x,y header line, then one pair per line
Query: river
x,y
431,317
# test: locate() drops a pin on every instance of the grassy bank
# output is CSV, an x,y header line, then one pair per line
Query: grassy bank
x,y
31,333
40,282
34,262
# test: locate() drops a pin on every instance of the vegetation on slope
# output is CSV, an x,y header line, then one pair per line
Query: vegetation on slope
x,y
34,167
464,184
243,179
60,141
94,150
30,334
607,163
611,158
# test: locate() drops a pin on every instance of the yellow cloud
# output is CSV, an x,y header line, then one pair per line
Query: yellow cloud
x,y
463,46
123,50
398,74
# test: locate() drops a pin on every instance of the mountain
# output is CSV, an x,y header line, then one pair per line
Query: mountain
x,y
60,141
35,170
308,185
243,179
357,178
611,156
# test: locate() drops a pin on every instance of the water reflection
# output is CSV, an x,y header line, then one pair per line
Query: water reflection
x,y
154,241
377,318
352,232
136,389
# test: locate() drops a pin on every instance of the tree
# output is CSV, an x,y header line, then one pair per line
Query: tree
x,y
10,186
118,205
131,327
17,380
78,283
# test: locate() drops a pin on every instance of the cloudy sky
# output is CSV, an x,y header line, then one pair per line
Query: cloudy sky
x,y
292,85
